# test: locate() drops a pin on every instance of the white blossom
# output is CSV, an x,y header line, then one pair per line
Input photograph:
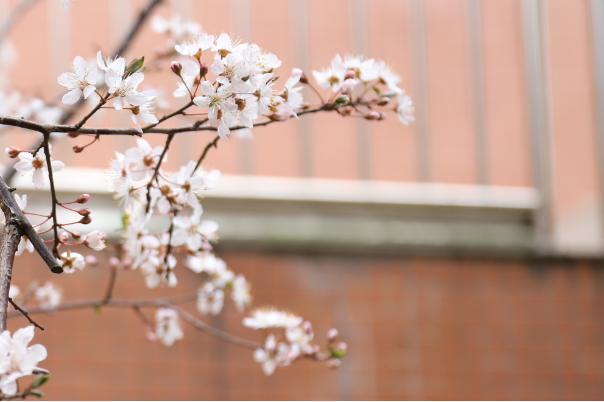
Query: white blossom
x,y
271,318
405,110
81,82
210,299
38,164
125,88
70,261
193,46
17,359
167,327
49,296
95,240
189,72
241,292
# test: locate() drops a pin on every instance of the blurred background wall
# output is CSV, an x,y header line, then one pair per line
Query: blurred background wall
x,y
460,256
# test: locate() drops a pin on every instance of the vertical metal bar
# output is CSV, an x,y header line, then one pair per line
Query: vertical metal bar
x,y
240,23
359,35
597,40
417,35
478,90
537,78
298,21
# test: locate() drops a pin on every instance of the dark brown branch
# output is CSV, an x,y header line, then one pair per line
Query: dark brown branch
x,y
25,313
26,228
10,242
111,285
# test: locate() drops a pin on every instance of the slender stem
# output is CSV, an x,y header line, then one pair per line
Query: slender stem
x,y
213,143
162,302
161,159
25,313
169,116
53,194
111,285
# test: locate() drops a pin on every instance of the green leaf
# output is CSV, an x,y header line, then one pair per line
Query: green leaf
x,y
36,392
377,90
39,381
342,100
135,65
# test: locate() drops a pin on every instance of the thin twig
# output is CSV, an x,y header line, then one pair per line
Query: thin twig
x,y
161,159
111,285
161,302
55,201
213,143
25,313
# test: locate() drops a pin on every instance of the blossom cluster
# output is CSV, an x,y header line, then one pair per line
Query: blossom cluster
x,y
243,89
146,191
296,340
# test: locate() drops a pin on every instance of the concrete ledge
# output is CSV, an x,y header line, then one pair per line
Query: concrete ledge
x,y
336,215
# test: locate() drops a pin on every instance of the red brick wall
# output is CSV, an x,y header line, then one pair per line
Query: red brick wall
x,y
417,328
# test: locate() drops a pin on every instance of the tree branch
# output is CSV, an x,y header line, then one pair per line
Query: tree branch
x,y
7,201
161,302
25,313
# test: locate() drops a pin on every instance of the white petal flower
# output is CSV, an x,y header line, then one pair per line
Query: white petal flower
x,y
241,292
64,5
82,82
167,328
405,110
17,359
95,240
271,318
28,162
70,261
48,296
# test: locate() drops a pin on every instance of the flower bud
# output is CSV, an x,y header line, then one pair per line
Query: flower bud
x,y
63,236
348,87
350,74
84,212
114,262
303,78
382,116
76,235
383,101
373,115
86,220
73,135
203,69
91,260
176,67
240,103
83,199
307,327
332,334
13,151
78,148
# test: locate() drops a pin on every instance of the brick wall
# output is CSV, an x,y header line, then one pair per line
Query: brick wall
x,y
417,328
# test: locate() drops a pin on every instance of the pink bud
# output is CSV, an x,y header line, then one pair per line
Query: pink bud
x,y
63,236
84,212
307,327
73,135
91,260
348,87
332,334
86,220
303,78
78,148
114,262
83,199
13,151
341,346
176,67
350,74
382,116
76,235
373,115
